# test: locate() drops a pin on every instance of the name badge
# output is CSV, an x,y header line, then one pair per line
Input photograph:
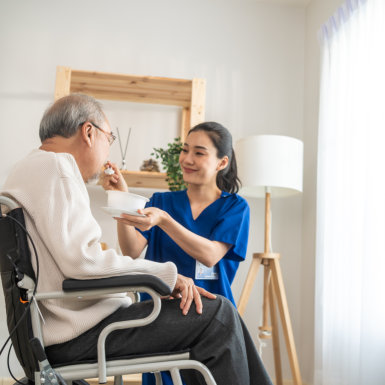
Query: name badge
x,y
204,272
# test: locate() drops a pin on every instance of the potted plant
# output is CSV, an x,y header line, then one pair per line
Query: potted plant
x,y
170,161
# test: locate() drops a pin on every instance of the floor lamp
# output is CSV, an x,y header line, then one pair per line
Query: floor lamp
x,y
271,166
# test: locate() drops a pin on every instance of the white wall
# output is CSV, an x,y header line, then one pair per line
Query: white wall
x,y
252,55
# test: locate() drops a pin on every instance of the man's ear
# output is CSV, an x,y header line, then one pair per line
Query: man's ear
x,y
87,134
223,163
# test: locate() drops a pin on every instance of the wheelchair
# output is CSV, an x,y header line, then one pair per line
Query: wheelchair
x,y
24,323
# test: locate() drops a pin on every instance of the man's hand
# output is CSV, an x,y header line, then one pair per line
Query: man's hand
x,y
114,181
186,290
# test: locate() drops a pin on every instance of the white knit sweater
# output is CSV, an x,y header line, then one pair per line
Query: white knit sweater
x,y
56,207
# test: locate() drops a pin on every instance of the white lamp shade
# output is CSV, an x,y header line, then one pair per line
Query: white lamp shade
x,y
271,161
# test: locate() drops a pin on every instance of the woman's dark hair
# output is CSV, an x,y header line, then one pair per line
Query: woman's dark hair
x,y
227,179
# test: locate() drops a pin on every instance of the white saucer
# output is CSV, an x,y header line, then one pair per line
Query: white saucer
x,y
116,212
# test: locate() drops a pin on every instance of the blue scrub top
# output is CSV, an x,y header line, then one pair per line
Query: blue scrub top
x,y
225,220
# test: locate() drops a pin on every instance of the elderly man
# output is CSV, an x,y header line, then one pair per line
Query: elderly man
x,y
49,185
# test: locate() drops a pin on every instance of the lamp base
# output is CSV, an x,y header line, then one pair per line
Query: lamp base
x,y
276,297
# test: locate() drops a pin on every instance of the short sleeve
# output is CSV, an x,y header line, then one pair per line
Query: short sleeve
x,y
233,228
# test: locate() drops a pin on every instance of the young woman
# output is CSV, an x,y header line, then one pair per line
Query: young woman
x,y
204,229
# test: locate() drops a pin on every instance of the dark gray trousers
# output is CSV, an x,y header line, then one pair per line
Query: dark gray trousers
x,y
218,338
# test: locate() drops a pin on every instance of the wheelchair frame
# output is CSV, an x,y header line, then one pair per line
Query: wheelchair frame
x,y
103,367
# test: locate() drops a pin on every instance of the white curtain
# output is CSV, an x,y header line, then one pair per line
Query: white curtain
x,y
350,251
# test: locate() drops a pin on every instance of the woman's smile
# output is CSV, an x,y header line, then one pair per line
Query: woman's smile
x,y
188,170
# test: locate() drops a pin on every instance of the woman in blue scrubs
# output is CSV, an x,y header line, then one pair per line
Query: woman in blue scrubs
x,y
204,229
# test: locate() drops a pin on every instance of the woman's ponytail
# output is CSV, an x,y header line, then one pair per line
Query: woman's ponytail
x,y
227,179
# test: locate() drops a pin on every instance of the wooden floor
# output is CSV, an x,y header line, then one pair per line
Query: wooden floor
x,y
132,379
129,379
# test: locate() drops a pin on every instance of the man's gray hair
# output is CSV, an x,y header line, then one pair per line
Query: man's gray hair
x,y
64,117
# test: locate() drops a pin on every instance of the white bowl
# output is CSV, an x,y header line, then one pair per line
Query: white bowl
x,y
125,200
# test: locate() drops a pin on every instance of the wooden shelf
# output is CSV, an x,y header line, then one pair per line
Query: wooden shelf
x,y
187,94
156,180
142,89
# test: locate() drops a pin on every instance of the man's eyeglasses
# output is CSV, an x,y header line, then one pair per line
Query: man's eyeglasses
x,y
110,135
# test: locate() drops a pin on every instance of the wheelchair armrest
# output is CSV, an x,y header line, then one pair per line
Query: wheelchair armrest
x,y
146,280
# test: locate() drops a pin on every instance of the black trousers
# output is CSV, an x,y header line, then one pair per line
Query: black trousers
x,y
218,338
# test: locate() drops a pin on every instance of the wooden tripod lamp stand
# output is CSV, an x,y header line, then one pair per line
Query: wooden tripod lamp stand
x,y
271,165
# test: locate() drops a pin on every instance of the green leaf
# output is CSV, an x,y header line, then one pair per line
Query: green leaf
x,y
170,161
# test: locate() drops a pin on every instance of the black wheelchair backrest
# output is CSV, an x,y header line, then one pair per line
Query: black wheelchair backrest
x,y
15,262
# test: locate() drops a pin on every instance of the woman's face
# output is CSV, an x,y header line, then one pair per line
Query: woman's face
x,y
199,161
